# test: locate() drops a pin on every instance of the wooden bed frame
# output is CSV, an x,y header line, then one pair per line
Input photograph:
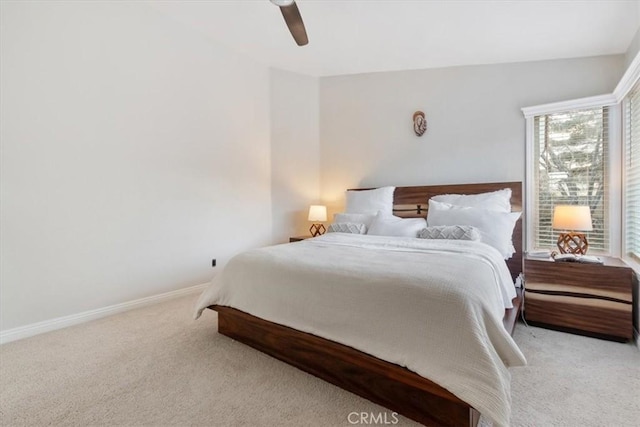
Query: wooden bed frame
x,y
384,383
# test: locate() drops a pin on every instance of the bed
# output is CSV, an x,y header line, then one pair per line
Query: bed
x,y
386,380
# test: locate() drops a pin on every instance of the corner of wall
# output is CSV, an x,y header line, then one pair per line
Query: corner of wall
x,y
633,49
295,151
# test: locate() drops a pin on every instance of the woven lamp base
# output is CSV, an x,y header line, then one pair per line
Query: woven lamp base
x,y
317,229
573,243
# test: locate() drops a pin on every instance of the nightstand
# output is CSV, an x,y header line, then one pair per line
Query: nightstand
x,y
589,299
298,238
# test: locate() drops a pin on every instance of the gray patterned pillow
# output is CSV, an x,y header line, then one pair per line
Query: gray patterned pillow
x,y
450,232
347,227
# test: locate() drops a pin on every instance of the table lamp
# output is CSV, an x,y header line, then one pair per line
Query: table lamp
x,y
572,218
317,213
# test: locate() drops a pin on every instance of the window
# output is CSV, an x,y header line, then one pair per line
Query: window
x,y
570,159
632,174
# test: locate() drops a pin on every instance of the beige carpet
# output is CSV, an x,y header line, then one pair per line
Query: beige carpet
x,y
156,366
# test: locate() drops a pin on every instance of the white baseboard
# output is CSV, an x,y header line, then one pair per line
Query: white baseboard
x,y
86,316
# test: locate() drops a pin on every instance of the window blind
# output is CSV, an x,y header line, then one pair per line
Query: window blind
x,y
571,151
632,173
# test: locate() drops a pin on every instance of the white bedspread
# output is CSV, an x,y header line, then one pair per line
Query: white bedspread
x,y
433,306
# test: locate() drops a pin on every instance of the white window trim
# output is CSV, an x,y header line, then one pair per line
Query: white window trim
x,y
574,104
616,172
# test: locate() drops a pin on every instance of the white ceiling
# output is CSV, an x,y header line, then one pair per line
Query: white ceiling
x,y
359,36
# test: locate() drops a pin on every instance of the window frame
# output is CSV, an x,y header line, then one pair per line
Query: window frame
x,y
614,180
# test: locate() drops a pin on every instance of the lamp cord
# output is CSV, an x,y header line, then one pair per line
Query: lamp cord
x,y
522,285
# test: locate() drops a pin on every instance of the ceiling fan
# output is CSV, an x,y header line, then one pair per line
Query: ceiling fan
x,y
292,17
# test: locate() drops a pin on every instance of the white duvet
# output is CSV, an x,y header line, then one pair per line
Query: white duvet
x,y
432,306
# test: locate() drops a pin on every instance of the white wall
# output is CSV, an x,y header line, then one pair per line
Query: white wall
x,y
632,51
133,151
475,125
634,45
295,152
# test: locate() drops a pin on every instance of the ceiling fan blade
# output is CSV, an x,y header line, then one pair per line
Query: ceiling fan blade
x,y
292,17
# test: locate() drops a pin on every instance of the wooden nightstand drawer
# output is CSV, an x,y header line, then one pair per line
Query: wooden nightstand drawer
x,y
594,315
593,299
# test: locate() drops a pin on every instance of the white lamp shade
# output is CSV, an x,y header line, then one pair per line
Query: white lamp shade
x,y
318,213
574,218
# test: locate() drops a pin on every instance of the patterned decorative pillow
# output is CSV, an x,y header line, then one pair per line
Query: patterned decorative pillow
x,y
450,232
347,227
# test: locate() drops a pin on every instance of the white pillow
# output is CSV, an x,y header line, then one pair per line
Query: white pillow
x,y
450,232
347,227
495,201
495,227
371,201
365,219
389,225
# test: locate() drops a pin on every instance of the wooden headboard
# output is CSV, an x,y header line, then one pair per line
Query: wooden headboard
x,y
413,202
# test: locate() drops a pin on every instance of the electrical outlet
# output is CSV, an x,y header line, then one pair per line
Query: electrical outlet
x,y
213,262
